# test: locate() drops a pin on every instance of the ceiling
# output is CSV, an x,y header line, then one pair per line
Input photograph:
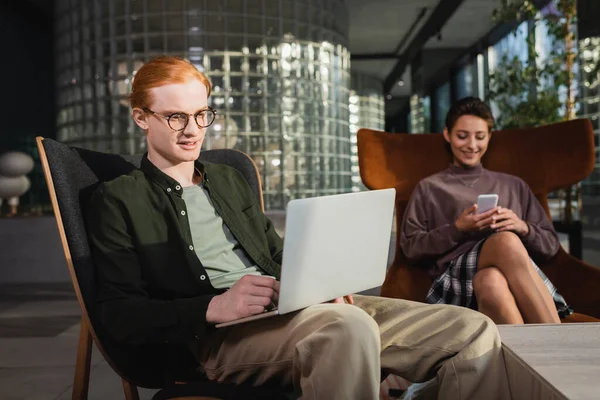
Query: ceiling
x,y
472,20
381,33
378,26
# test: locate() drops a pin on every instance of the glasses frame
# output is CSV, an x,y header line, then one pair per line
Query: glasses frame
x,y
187,121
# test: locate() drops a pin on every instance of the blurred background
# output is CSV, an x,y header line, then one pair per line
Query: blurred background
x,y
293,81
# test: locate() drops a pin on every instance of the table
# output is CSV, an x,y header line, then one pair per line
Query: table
x,y
546,361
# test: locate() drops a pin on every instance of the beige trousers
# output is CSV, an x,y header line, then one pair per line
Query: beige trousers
x,y
337,351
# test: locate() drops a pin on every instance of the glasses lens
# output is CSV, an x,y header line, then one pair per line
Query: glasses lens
x,y
178,121
205,117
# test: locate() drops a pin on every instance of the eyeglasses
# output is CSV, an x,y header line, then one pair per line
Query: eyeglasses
x,y
178,121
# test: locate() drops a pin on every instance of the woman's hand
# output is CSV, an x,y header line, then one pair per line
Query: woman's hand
x,y
507,220
470,221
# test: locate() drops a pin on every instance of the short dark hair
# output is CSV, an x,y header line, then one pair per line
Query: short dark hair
x,y
469,106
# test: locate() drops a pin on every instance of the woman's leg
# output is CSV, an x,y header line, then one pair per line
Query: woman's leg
x,y
544,289
506,252
494,297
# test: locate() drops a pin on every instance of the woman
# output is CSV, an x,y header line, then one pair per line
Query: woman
x,y
482,260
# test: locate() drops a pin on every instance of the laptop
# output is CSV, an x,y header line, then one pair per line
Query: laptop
x,y
334,246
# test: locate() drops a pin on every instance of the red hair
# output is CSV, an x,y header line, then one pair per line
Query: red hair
x,y
160,71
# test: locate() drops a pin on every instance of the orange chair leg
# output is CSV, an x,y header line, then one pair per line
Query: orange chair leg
x,y
81,380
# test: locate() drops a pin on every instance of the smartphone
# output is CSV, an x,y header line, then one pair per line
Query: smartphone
x,y
486,202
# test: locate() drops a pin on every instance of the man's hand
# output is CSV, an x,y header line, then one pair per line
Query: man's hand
x,y
507,220
343,300
248,296
470,221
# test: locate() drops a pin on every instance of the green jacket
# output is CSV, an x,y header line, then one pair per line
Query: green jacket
x,y
152,288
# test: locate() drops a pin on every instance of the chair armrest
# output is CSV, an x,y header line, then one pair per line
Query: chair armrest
x,y
578,282
404,281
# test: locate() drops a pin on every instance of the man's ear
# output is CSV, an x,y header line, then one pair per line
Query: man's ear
x,y
139,116
446,135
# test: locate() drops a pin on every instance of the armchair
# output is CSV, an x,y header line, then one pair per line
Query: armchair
x,y
547,158
71,175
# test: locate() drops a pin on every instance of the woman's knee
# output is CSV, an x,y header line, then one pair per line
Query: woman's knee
x,y
505,241
491,287
502,250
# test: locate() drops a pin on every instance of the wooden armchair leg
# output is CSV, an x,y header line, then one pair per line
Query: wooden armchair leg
x,y
82,365
131,391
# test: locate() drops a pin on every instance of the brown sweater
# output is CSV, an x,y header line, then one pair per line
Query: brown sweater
x,y
428,235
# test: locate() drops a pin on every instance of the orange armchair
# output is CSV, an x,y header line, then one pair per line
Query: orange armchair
x,y
547,158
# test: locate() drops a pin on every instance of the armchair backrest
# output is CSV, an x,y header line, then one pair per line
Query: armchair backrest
x,y
547,158
72,174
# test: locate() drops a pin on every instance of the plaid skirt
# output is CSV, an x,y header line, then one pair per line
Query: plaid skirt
x,y
455,285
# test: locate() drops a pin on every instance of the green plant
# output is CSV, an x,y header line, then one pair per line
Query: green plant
x,y
527,92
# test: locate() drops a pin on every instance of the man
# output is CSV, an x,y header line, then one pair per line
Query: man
x,y
182,245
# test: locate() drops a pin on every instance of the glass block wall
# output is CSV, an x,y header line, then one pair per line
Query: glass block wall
x,y
280,71
589,57
367,110
417,114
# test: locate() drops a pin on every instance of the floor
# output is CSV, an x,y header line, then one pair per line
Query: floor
x,y
39,330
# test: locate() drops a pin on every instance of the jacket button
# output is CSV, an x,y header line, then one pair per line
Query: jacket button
x,y
182,212
202,277
177,187
168,190
191,247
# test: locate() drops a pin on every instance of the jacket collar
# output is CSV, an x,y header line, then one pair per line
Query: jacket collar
x,y
166,183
